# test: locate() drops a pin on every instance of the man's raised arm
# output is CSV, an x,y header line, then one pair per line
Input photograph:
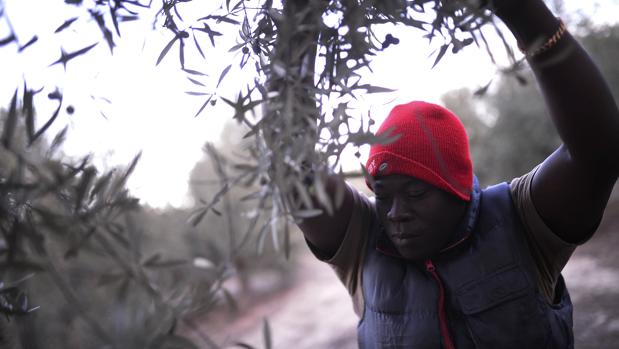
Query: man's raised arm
x,y
571,188
326,232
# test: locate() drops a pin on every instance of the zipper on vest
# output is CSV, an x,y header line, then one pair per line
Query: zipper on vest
x,y
442,316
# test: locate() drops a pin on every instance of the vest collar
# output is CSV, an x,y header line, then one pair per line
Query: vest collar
x,y
465,228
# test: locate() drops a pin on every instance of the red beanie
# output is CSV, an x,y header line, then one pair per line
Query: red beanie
x,y
432,146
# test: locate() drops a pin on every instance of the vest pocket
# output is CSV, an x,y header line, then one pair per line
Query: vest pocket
x,y
417,329
502,310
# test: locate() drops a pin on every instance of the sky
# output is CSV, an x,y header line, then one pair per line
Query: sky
x,y
150,111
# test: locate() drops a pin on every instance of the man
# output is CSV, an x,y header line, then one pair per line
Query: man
x,y
433,261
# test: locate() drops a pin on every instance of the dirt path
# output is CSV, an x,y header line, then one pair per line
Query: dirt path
x,y
317,313
592,276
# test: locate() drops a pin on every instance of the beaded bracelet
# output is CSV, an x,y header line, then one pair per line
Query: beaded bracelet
x,y
552,41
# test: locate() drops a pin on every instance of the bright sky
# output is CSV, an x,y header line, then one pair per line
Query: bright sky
x,y
150,111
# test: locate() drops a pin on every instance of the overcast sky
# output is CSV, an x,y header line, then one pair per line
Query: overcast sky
x,y
150,111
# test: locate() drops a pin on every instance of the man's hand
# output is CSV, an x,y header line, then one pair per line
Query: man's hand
x,y
531,22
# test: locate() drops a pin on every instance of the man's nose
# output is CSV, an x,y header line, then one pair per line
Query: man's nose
x,y
398,212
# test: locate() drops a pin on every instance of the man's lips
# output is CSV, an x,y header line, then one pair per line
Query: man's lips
x,y
403,236
403,231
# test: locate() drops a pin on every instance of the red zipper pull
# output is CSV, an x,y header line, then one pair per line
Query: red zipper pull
x,y
444,327
430,266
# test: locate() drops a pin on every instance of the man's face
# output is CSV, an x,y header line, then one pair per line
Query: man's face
x,y
418,217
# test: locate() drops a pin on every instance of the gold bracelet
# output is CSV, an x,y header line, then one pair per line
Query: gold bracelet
x,y
552,41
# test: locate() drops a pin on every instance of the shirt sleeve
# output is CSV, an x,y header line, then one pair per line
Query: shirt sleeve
x,y
549,251
347,262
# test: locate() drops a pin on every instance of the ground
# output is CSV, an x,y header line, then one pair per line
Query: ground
x,y
315,312
592,277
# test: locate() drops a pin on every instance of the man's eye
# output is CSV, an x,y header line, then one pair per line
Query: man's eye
x,y
415,193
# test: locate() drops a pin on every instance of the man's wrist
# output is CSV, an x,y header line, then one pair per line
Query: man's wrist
x,y
531,22
539,48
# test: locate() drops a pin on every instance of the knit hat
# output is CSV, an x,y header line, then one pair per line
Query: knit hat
x,y
432,146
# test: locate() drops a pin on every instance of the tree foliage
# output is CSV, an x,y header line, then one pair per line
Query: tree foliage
x,y
307,56
68,236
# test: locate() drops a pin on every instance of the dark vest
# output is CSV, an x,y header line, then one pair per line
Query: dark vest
x,y
485,283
